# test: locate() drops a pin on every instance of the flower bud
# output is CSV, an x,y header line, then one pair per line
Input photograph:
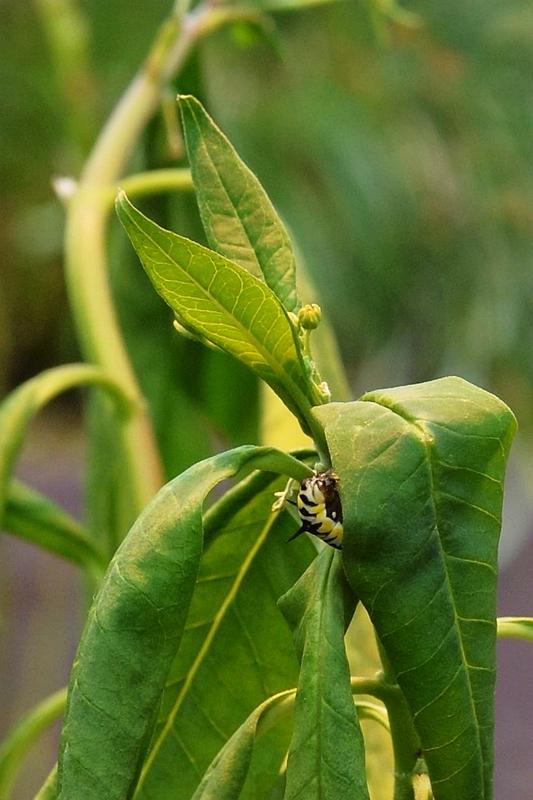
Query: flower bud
x,y
309,316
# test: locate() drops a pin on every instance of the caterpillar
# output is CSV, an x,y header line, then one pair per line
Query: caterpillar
x,y
320,510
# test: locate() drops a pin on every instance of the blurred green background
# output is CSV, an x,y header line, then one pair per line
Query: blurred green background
x,y
398,145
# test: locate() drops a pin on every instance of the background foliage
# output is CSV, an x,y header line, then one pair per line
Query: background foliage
x,y
398,151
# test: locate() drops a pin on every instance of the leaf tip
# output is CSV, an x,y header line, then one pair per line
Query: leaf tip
x,y
121,201
186,98
188,105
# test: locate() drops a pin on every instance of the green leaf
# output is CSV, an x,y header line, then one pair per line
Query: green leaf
x,y
33,517
222,513
421,480
236,648
239,219
326,757
223,303
21,406
135,627
226,776
516,628
15,747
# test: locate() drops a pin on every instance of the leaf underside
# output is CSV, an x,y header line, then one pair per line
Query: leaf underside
x,y
421,480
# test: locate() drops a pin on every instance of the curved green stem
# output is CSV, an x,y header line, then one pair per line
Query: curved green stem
x,y
284,705
88,214
153,182
405,741
17,744
376,687
21,406
36,519
515,628
373,712
48,790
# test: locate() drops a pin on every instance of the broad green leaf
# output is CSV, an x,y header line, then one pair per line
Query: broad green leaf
x,y
134,628
33,517
223,303
516,628
421,479
21,406
225,778
236,649
14,748
239,219
326,757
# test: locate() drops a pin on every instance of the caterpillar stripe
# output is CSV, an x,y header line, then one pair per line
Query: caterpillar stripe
x,y
320,510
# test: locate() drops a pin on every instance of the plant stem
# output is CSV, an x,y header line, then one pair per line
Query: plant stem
x,y
405,741
376,687
88,215
15,747
285,701
155,181
515,628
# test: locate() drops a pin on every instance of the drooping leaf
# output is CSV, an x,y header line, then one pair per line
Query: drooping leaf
x,y
239,219
224,304
21,406
223,512
226,776
236,649
35,518
421,480
134,629
326,757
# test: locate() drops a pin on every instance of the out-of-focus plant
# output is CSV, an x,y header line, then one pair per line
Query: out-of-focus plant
x,y
186,682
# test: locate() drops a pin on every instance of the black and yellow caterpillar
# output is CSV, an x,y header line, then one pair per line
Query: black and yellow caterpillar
x,y
320,509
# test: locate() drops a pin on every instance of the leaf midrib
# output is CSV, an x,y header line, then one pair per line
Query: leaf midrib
x,y
206,645
247,173
423,438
